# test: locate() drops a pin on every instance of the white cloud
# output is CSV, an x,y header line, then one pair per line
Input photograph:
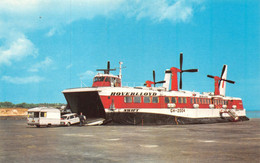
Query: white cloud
x,y
69,66
51,32
41,65
160,10
22,80
22,16
28,14
87,75
15,50
40,14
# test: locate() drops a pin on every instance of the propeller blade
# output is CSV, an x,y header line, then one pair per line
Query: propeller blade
x,y
210,76
223,69
191,70
154,78
108,65
180,80
101,69
181,61
160,82
229,81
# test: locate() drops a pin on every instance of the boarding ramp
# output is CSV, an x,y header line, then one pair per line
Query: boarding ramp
x,y
89,103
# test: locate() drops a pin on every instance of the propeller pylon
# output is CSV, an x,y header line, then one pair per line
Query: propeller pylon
x,y
174,71
217,82
149,83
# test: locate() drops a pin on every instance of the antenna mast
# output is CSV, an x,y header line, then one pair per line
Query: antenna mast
x,y
120,70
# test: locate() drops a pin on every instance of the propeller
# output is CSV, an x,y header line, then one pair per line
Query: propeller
x,y
223,70
154,82
106,71
188,70
159,82
229,81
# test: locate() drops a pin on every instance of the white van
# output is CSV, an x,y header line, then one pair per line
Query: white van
x,y
43,116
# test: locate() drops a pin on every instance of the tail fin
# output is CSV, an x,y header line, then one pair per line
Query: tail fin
x,y
222,83
167,79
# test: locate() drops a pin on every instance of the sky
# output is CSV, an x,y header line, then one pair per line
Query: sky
x,y
47,46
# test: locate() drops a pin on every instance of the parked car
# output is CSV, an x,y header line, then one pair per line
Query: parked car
x,y
69,119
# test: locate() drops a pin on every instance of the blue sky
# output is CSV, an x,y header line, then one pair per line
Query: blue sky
x,y
47,46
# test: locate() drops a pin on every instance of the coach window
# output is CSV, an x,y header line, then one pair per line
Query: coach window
x,y
137,99
43,114
167,99
36,114
155,99
128,99
173,99
147,99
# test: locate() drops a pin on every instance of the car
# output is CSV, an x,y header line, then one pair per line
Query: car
x,y
69,119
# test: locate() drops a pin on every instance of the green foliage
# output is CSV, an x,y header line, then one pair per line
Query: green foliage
x,y
6,105
28,106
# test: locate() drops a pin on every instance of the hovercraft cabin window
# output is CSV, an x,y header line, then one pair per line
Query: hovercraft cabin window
x,y
170,99
128,99
174,100
147,99
167,100
182,100
99,79
225,102
137,99
155,99
108,79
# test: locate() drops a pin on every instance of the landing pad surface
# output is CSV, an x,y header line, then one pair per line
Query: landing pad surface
x,y
221,142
